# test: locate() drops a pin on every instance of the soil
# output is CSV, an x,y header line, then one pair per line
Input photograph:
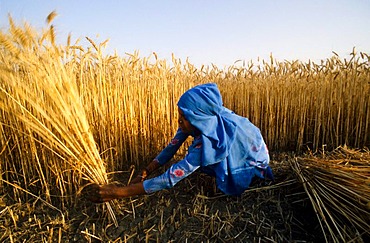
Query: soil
x,y
192,211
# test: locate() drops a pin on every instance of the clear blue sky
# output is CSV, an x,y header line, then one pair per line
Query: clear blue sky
x,y
207,31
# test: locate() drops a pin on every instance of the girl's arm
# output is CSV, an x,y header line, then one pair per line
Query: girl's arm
x,y
100,194
174,174
167,153
171,177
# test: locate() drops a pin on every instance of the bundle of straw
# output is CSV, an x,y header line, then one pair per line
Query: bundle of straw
x,y
43,96
338,186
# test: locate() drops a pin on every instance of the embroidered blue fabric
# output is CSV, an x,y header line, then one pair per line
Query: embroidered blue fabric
x,y
229,146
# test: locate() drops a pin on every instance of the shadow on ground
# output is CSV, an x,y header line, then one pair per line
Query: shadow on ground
x,y
193,211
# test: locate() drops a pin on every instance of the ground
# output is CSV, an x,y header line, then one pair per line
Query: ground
x,y
193,211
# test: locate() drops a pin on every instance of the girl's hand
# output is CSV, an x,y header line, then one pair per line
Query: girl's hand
x,y
140,178
152,166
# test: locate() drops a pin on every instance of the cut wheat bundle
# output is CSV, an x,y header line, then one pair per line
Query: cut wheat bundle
x,y
338,186
42,95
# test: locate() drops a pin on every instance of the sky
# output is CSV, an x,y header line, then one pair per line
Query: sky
x,y
207,31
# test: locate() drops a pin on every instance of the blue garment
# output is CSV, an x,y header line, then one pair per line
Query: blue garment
x,y
229,146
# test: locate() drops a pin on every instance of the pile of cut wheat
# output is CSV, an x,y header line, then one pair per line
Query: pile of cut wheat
x,y
338,186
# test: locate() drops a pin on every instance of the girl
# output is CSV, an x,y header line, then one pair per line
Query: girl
x,y
226,146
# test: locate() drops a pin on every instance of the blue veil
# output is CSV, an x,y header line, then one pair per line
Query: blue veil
x,y
203,108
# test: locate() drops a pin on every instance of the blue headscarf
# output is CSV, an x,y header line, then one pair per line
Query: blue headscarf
x,y
203,108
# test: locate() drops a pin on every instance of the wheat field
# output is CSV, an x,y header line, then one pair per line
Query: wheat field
x,y
71,115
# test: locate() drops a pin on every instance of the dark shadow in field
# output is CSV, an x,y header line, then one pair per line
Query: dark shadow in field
x,y
194,210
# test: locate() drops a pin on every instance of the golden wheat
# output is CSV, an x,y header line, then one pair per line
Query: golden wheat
x,y
70,115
